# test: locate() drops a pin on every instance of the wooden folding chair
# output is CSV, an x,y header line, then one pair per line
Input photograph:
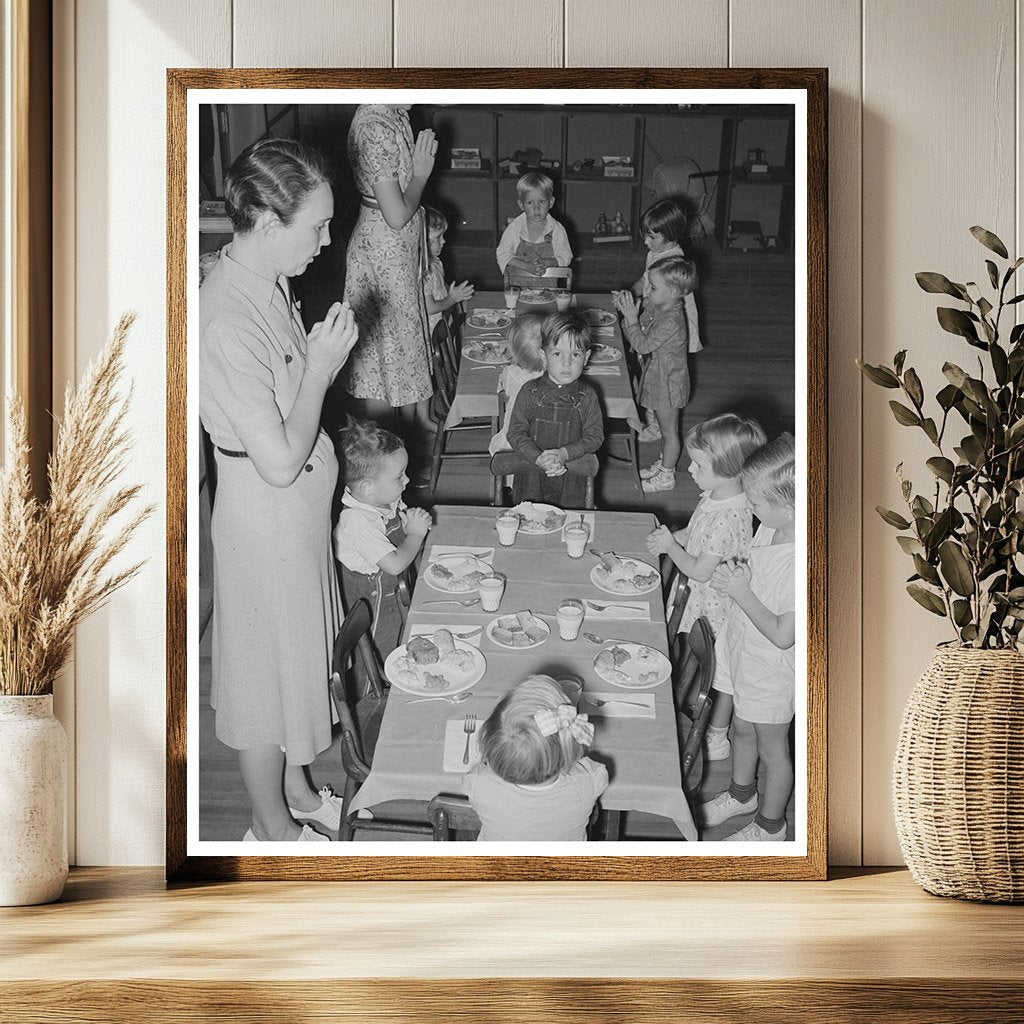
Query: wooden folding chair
x,y
691,684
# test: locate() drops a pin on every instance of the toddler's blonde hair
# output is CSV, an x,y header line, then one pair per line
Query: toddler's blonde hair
x,y
729,439
525,342
679,272
770,472
511,743
534,181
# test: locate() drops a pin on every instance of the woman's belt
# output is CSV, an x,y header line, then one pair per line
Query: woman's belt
x,y
369,201
230,454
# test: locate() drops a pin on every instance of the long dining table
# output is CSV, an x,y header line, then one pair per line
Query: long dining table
x,y
487,319
641,753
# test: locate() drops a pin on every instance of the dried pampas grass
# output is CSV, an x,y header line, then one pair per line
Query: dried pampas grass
x,y
56,557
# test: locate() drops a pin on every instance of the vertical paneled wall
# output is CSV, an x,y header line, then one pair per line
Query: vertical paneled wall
x,y
923,136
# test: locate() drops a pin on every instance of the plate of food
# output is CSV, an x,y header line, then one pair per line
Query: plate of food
x,y
434,665
520,630
536,296
493,352
604,353
456,574
535,517
601,317
625,575
632,666
489,319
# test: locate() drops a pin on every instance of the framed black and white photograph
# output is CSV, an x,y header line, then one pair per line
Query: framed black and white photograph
x,y
496,474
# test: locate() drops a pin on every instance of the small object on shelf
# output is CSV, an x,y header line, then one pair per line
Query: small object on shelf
x,y
601,227
756,164
464,159
550,165
619,225
617,166
745,235
526,158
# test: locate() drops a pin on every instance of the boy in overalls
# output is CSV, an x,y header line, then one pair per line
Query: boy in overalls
x,y
557,417
534,241
377,536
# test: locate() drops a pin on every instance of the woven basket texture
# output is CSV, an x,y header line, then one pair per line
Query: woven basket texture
x,y
958,776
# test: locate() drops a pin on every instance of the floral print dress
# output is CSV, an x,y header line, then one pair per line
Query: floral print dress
x,y
384,269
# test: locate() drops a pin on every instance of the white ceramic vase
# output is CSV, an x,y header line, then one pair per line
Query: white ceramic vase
x,y
33,802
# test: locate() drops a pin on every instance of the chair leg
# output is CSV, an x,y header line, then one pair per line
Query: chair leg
x,y
435,459
588,497
344,828
496,489
634,458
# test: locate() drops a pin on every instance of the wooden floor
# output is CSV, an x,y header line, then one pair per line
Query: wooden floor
x,y
747,325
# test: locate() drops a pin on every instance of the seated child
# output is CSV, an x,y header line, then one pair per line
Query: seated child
x,y
557,417
719,530
534,241
660,336
438,295
525,347
534,782
758,659
377,536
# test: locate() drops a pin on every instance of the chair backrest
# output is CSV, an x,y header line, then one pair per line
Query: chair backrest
x,y
678,595
440,351
695,699
355,676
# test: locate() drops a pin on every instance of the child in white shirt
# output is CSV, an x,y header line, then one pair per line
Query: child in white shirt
x,y
377,536
534,241
439,296
759,659
534,781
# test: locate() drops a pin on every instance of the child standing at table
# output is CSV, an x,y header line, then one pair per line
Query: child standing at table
x,y
759,661
719,530
557,417
377,536
534,781
439,296
526,347
664,225
534,241
659,334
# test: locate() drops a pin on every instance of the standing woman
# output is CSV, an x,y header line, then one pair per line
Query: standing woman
x,y
385,262
261,388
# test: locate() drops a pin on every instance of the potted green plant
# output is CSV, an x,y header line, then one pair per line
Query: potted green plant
x,y
57,565
958,782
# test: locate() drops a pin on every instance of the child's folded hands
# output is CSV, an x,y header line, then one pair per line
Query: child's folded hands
x,y
416,521
461,292
659,540
731,577
551,462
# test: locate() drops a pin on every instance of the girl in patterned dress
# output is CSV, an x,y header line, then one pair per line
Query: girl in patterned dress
x,y
719,530
439,296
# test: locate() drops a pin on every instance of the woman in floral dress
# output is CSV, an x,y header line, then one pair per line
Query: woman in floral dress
x,y
390,367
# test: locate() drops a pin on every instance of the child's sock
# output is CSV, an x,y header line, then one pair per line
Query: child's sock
x,y
742,793
771,825
718,730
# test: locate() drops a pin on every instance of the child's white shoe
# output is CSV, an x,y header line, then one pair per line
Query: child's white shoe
x,y
717,746
754,833
651,471
327,814
652,432
307,835
726,806
664,480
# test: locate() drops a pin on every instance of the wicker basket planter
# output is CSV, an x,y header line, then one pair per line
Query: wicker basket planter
x,y
958,776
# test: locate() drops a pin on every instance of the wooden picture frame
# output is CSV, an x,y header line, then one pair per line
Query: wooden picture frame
x,y
807,89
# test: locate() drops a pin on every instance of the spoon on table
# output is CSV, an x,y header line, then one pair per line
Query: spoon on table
x,y
595,639
608,563
455,698
464,604
597,702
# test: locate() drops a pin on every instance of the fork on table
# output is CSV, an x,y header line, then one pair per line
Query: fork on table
x,y
464,604
468,727
604,607
597,702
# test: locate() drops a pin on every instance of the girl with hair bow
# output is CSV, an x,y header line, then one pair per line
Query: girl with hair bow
x,y
534,781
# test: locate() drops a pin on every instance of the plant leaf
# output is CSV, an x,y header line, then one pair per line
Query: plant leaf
x,y
948,396
928,426
926,571
984,306
912,385
903,415
880,375
956,321
926,599
941,467
1014,300
990,241
898,360
961,612
912,546
1000,364
993,275
893,518
956,570
939,284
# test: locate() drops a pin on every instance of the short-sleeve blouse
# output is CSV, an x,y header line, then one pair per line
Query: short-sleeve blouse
x,y
722,527
252,352
380,147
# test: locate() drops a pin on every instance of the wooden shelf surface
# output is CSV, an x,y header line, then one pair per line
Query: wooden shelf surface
x,y
866,941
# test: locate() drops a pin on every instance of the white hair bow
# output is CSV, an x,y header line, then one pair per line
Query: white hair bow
x,y
565,718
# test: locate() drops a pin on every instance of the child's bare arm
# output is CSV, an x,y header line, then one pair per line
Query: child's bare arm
x,y
699,568
417,523
779,629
